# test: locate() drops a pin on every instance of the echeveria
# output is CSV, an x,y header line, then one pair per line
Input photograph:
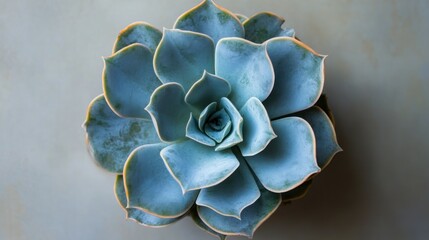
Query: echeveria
x,y
215,118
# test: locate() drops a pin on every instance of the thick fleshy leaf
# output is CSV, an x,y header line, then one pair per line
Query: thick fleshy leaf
x,y
138,32
247,67
135,214
183,56
169,111
241,17
257,130
197,220
150,187
231,196
218,125
129,80
264,26
251,217
288,160
196,166
236,134
297,192
112,138
205,114
212,20
194,133
327,145
208,89
299,72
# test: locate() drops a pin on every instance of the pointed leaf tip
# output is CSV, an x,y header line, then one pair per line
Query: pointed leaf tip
x,y
129,80
251,218
264,26
165,199
288,160
211,19
299,73
112,138
182,57
169,112
324,131
138,215
138,32
196,166
247,68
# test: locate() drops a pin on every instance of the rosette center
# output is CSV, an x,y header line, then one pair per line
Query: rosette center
x,y
218,125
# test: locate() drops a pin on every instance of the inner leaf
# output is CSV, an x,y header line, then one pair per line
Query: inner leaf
x,y
218,125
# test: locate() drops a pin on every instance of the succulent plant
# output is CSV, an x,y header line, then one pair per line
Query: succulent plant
x,y
216,118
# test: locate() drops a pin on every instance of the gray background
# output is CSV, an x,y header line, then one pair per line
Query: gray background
x,y
377,82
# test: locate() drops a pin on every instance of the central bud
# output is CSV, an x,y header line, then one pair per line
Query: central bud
x,y
218,125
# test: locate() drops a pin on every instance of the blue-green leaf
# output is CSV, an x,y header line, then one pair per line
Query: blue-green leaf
x,y
218,125
257,130
196,166
327,145
129,80
169,111
182,57
299,75
264,26
212,20
208,89
194,133
205,114
231,196
197,220
236,135
135,214
150,187
112,138
288,160
247,67
138,32
251,217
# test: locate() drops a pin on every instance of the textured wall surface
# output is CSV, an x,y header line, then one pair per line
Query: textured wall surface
x,y
378,87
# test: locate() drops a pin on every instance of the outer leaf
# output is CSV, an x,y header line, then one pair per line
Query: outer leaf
x,y
196,166
169,111
299,75
111,138
327,145
150,187
257,130
290,159
208,89
183,56
231,196
235,136
129,80
211,19
138,32
251,217
264,26
197,220
194,133
247,67
135,214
